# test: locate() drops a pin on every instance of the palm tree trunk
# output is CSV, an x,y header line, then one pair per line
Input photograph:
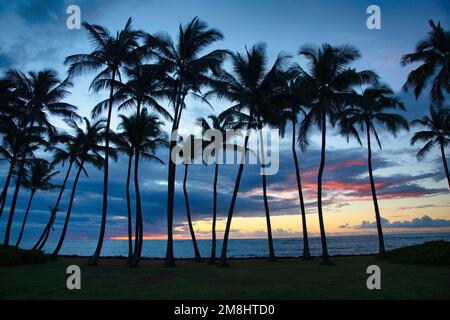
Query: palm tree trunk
x,y
44,236
212,259
445,164
223,255
381,250
139,223
130,228
94,258
5,188
323,237
17,188
306,253
69,211
198,257
266,202
25,218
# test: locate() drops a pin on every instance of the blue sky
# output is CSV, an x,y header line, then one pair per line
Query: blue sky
x,y
34,36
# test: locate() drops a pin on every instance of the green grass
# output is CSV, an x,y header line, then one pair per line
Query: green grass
x,y
245,279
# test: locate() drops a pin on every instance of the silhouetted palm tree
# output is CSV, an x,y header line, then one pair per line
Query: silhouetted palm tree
x,y
250,87
433,53
41,172
189,70
89,145
145,134
329,85
41,94
436,133
368,112
220,124
65,149
110,54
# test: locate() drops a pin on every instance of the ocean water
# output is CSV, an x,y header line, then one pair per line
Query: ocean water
x,y
249,248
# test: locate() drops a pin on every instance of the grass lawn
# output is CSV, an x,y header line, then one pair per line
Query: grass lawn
x,y
245,279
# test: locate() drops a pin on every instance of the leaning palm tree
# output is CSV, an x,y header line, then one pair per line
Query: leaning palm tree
x,y
436,133
433,54
219,126
41,172
145,134
65,149
250,87
368,112
89,142
329,84
109,55
41,94
188,70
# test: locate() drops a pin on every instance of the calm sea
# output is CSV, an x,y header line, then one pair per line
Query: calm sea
x,y
248,248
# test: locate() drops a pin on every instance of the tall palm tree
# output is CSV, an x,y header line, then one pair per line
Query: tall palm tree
x,y
189,73
145,133
41,172
433,54
249,87
289,112
221,124
329,83
109,55
89,142
436,133
41,94
65,149
368,112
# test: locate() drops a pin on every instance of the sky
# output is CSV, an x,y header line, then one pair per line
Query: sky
x,y
413,196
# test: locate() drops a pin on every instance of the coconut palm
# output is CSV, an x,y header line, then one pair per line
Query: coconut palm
x,y
145,134
41,172
329,84
188,70
249,87
433,54
368,112
41,94
109,55
218,128
65,149
89,143
436,133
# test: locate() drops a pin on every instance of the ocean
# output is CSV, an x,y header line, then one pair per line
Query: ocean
x,y
249,248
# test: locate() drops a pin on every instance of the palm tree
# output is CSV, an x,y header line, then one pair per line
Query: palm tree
x,y
250,87
329,85
41,172
188,70
433,54
67,153
89,145
145,134
369,111
110,54
289,113
41,93
436,133
220,124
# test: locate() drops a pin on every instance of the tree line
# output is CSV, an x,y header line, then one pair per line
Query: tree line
x,y
153,75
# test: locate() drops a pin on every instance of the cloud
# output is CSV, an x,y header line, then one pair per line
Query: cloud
x,y
423,222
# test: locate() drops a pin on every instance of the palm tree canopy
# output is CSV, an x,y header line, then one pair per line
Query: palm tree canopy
x,y
41,94
329,84
143,132
369,110
433,53
436,130
39,175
